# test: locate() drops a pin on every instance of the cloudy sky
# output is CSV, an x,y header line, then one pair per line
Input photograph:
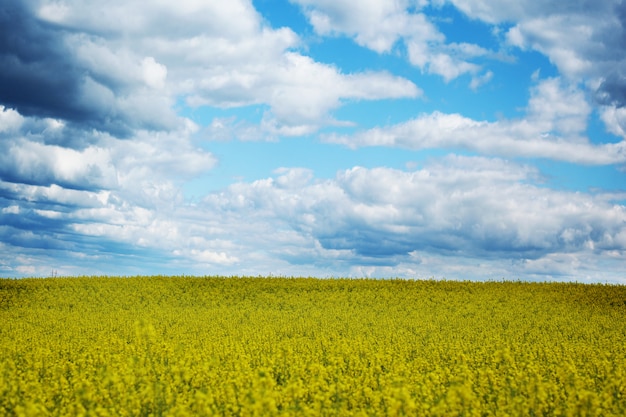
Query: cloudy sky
x,y
459,139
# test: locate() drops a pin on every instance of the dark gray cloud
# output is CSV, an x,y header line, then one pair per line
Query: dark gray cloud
x,y
41,76
612,91
620,12
612,52
38,76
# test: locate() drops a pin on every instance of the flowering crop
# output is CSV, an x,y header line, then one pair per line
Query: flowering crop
x,y
177,346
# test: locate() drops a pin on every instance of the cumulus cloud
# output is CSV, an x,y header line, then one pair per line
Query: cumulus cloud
x,y
50,72
381,25
381,218
508,10
122,66
554,125
375,25
585,40
34,163
615,120
302,92
30,153
94,153
428,222
72,208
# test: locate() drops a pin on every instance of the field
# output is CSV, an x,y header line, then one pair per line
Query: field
x,y
182,346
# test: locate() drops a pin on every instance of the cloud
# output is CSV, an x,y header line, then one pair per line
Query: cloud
x,y
93,154
30,154
88,207
382,216
509,10
34,65
121,67
377,222
479,81
34,163
612,90
234,19
10,121
615,120
556,118
584,40
565,39
94,151
375,25
49,72
301,92
379,26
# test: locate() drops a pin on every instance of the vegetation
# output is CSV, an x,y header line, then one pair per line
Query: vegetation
x,y
180,346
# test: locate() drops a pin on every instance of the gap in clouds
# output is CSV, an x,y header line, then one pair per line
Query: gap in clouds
x,y
597,130
588,179
460,29
283,14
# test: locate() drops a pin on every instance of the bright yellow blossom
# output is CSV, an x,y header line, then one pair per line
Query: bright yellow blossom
x,y
181,346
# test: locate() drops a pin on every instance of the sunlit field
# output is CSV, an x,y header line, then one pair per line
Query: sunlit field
x,y
279,346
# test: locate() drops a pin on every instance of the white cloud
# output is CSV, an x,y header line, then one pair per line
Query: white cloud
x,y
379,222
374,24
132,17
210,257
35,163
10,120
615,120
566,39
299,91
510,10
31,156
379,25
154,74
73,192
557,107
556,118
448,67
583,39
383,216
138,60
11,210
481,80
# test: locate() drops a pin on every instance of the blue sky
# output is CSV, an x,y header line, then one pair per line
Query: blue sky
x,y
459,139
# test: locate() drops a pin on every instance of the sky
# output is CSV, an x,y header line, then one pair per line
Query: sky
x,y
445,139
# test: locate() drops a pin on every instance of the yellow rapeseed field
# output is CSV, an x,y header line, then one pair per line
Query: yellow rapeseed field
x,y
181,346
